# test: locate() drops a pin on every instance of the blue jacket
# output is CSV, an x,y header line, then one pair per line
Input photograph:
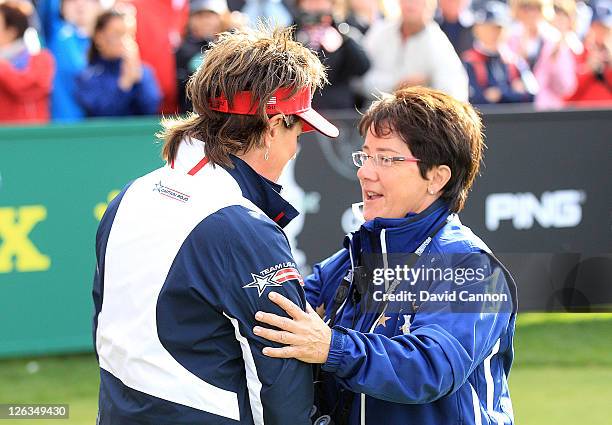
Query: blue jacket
x,y
186,256
99,94
69,47
486,70
422,362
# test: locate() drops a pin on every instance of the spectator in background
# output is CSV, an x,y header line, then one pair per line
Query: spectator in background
x,y
273,11
160,25
206,20
538,43
69,39
595,63
337,48
413,52
565,22
455,20
494,75
116,83
361,14
26,72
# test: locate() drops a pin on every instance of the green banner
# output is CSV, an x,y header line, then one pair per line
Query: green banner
x,y
55,184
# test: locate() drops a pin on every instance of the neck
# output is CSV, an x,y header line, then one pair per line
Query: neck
x,y
265,168
486,48
411,28
532,30
11,49
450,18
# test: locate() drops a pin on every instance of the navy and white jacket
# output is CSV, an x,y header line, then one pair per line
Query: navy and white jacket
x,y
186,256
420,363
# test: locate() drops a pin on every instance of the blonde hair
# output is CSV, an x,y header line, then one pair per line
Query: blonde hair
x,y
260,61
546,7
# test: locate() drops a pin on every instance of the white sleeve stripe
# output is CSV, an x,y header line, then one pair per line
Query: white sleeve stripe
x,y
476,406
489,377
253,382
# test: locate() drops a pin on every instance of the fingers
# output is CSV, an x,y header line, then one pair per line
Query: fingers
x,y
280,322
310,310
281,353
282,337
286,304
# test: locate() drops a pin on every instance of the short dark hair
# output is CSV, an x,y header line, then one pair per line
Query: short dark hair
x,y
438,129
15,17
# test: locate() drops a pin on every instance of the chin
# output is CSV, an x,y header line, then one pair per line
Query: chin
x,y
369,214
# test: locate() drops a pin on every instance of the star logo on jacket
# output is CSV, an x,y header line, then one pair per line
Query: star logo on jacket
x,y
274,276
382,320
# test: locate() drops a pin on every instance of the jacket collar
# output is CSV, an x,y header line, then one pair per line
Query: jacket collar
x,y
262,192
401,235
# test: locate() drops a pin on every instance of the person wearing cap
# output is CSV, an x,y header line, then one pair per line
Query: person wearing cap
x,y
392,348
494,73
207,18
594,71
189,252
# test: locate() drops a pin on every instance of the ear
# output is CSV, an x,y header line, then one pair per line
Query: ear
x,y
275,126
438,176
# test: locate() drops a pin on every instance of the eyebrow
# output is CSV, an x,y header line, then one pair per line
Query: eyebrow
x,y
364,147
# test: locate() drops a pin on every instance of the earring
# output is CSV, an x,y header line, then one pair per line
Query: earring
x,y
431,192
267,154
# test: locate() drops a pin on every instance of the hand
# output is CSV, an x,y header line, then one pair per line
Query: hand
x,y
306,335
518,86
493,94
131,66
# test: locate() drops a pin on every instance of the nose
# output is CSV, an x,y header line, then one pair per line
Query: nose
x,y
367,172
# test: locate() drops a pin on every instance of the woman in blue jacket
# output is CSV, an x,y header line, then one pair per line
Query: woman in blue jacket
x,y
414,317
116,82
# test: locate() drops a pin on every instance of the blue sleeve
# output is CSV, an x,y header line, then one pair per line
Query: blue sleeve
x,y
433,360
51,20
147,95
476,91
320,287
324,274
256,260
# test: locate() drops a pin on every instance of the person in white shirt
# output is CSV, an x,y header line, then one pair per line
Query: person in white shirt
x,y
412,52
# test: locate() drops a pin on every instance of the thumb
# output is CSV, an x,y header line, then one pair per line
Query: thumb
x,y
309,309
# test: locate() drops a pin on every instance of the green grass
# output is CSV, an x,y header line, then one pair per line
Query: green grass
x,y
562,375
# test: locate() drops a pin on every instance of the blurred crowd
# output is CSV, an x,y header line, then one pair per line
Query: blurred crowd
x,y
65,60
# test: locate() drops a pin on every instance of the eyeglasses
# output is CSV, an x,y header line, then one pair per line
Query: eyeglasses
x,y
380,160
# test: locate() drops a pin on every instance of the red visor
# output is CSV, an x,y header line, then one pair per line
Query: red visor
x,y
280,102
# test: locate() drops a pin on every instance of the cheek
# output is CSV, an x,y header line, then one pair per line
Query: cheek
x,y
405,191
